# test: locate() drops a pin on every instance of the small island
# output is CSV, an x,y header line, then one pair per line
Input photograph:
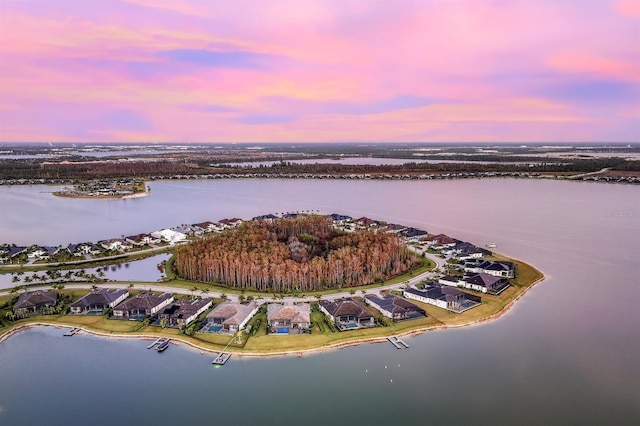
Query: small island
x,y
106,188
315,281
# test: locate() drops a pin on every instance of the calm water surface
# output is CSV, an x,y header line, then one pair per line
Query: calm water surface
x,y
565,354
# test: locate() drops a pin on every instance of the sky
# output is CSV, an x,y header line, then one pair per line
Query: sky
x,y
319,71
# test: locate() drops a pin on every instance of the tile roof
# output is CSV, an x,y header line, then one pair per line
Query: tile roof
x,y
295,313
101,296
232,312
346,307
33,299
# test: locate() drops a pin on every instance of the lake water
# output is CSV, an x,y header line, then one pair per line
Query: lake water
x,y
565,354
139,270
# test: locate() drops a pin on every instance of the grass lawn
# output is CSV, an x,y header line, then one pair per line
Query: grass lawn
x,y
321,334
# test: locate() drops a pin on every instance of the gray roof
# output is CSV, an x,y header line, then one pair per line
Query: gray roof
x,y
393,304
346,306
143,301
36,299
101,296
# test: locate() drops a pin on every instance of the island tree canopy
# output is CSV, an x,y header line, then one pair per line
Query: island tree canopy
x,y
305,253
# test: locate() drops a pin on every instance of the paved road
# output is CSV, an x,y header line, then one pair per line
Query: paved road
x,y
160,287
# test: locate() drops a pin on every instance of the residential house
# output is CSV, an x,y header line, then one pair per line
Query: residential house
x,y
289,319
265,217
142,305
394,227
365,222
413,234
449,280
14,251
206,227
181,312
230,223
347,313
83,249
229,317
464,251
497,269
395,307
444,297
339,219
41,252
169,235
141,239
98,300
485,283
440,241
115,244
34,301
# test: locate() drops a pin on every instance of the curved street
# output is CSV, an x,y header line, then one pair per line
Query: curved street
x,y
159,286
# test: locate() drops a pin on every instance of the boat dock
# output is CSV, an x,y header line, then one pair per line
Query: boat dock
x,y
222,358
394,342
402,342
72,332
398,342
157,342
163,345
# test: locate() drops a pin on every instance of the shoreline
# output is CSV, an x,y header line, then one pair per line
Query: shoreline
x,y
309,351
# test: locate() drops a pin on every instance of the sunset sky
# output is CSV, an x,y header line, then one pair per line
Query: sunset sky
x,y
319,71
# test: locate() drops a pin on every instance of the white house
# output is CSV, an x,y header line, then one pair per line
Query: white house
x,y
169,235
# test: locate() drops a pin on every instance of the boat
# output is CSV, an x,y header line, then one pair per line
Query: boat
x,y
491,245
163,346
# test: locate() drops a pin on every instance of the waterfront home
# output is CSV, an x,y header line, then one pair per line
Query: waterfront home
x,y
347,313
169,235
394,227
441,241
115,244
141,239
230,223
365,222
464,251
83,249
266,217
288,319
206,227
395,307
444,297
229,317
497,269
98,300
142,305
449,280
484,283
339,219
15,251
35,301
181,312
413,234
41,252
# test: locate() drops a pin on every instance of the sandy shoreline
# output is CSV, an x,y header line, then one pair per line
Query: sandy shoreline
x,y
299,352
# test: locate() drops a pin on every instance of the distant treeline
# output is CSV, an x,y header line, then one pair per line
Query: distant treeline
x,y
295,254
21,169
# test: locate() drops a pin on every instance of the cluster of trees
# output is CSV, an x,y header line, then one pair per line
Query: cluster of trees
x,y
295,254
201,164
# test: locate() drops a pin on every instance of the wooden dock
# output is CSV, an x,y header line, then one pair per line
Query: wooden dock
x,y
222,358
72,332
